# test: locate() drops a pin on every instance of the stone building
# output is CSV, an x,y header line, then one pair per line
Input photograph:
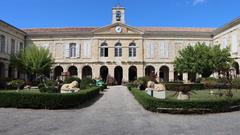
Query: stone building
x,y
118,50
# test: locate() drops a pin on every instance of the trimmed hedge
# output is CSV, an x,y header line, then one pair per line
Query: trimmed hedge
x,y
46,100
185,107
175,86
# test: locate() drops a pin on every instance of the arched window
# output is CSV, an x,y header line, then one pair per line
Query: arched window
x,y
118,50
104,50
132,50
72,50
2,43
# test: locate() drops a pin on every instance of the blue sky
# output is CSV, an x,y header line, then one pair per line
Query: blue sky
x,y
72,13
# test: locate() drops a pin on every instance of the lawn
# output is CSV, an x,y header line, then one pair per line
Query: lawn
x,y
205,94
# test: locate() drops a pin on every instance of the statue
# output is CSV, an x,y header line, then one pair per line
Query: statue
x,y
154,88
70,88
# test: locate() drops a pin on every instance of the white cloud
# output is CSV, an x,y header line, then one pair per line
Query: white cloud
x,y
196,2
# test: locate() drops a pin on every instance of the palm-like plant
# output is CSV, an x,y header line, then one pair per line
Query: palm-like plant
x,y
33,61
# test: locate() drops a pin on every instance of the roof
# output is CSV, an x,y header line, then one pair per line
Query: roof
x,y
227,26
90,29
176,29
67,29
15,28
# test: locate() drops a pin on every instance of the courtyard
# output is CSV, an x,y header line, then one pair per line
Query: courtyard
x,y
114,112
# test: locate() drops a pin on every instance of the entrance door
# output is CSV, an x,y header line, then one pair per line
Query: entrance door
x,y
118,75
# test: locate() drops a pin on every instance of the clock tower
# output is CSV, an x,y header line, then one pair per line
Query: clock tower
x,y
118,14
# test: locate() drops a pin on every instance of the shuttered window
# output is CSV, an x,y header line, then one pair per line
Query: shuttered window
x,y
164,50
2,43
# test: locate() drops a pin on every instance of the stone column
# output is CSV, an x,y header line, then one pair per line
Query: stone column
x,y
185,77
140,71
15,73
171,75
125,73
95,71
80,72
6,68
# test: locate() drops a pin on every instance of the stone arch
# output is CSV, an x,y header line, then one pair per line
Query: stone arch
x,y
86,72
104,73
2,70
132,73
164,74
149,69
73,71
118,74
235,66
57,72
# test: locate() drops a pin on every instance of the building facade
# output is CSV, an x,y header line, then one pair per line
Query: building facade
x,y
118,50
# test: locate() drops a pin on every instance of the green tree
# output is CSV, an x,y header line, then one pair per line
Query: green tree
x,y
33,61
203,59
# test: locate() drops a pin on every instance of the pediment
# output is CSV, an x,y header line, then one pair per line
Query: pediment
x,y
111,29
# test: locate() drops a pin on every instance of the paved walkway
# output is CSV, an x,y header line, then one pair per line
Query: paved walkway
x,y
115,113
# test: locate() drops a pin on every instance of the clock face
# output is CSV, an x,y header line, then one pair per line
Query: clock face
x,y
118,29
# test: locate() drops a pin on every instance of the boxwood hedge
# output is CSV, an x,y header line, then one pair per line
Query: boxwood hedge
x,y
185,107
46,100
175,86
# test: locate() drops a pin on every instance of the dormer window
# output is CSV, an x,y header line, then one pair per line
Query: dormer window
x,y
118,16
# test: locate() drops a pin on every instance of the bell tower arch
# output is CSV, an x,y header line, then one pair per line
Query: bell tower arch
x,y
118,14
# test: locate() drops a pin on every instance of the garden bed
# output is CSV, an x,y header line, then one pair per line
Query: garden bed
x,y
198,104
37,100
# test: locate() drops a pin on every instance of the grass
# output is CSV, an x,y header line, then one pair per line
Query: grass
x,y
200,103
23,91
205,94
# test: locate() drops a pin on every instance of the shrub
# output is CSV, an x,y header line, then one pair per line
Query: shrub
x,y
236,82
141,82
40,86
4,83
46,100
186,106
175,86
17,83
51,83
86,83
71,79
49,89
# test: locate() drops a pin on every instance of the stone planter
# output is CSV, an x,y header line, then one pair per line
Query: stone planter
x,y
183,96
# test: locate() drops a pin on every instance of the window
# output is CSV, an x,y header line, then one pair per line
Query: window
x,y
132,50
234,46
164,50
150,50
21,46
118,50
104,50
12,46
2,43
118,16
72,50
87,49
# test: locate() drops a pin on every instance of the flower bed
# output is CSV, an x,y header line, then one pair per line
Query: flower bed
x,y
46,100
199,106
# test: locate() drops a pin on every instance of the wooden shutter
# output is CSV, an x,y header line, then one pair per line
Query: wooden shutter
x,y
166,50
162,49
66,50
148,50
89,50
77,50
234,44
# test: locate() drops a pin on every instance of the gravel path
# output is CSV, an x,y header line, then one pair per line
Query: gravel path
x,y
114,113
